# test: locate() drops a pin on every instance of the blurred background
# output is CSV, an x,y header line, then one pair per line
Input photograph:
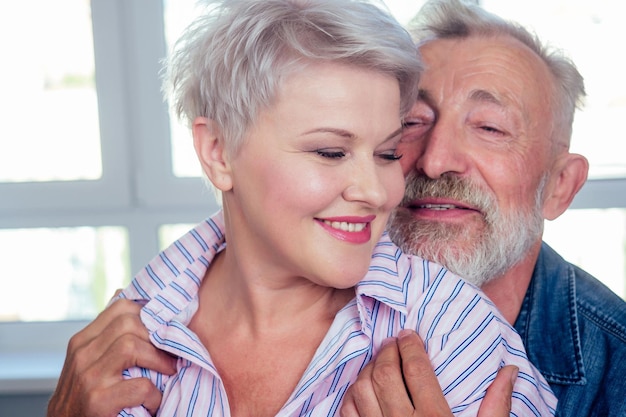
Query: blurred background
x,y
96,177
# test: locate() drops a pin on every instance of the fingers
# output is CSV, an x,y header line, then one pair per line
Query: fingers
x,y
360,399
400,381
102,322
122,323
497,401
128,351
388,382
91,382
421,381
111,400
379,390
117,340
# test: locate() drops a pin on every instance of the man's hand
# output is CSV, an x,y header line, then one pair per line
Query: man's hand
x,y
400,381
91,382
497,401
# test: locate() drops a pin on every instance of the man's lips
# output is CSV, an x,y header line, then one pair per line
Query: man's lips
x,y
439,205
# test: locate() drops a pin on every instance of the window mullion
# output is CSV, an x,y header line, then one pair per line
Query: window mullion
x,y
601,193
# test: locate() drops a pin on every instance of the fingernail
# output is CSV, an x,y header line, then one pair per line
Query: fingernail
x,y
404,333
514,375
387,341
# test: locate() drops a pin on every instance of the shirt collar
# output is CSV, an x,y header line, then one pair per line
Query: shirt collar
x,y
386,282
548,320
187,259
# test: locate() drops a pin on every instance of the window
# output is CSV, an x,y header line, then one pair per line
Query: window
x,y
53,132
80,154
88,265
86,178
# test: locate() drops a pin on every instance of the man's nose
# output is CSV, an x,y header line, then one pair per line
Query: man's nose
x,y
442,151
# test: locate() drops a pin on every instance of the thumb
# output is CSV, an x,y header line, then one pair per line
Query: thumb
x,y
497,401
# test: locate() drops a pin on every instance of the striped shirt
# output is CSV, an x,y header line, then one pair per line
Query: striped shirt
x,y
466,338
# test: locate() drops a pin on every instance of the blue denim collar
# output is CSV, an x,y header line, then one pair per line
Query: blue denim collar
x,y
548,321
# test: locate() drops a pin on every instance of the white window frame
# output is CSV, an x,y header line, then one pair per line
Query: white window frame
x,y
137,190
601,194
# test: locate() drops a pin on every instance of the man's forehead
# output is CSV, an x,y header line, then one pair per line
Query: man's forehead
x,y
473,94
494,70
479,53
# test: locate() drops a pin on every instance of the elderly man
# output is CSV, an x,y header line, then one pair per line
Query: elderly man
x,y
486,153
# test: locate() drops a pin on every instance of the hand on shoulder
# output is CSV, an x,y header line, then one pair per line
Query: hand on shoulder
x,y
91,381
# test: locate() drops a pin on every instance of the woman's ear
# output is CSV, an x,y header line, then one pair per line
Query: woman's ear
x,y
568,178
209,145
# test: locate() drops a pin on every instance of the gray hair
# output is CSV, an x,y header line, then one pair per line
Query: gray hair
x,y
450,19
229,63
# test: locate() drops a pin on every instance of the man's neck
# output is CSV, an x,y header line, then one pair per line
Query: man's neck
x,y
508,291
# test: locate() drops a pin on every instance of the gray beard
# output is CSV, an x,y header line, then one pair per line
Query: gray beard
x,y
479,256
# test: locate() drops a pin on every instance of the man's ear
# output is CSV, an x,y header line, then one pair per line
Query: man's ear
x,y
568,178
209,145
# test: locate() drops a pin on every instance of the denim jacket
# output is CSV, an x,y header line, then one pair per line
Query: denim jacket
x,y
574,330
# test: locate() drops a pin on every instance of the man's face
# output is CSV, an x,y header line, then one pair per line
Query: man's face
x,y
477,155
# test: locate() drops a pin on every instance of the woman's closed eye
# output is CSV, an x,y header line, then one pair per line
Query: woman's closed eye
x,y
390,155
331,153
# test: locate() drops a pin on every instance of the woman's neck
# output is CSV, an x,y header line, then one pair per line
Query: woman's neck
x,y
261,334
256,300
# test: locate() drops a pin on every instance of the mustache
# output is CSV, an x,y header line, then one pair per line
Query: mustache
x,y
450,186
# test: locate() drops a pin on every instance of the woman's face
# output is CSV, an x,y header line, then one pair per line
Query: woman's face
x,y
318,176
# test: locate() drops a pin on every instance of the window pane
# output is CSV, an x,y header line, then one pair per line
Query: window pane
x,y
586,30
404,10
595,240
184,160
62,273
168,233
177,15
48,112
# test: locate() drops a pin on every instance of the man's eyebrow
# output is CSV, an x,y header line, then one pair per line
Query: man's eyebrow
x,y
424,96
485,96
475,95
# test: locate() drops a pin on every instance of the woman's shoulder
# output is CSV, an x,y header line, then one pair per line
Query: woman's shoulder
x,y
188,256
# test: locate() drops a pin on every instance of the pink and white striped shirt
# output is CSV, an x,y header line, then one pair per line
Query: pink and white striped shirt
x,y
466,337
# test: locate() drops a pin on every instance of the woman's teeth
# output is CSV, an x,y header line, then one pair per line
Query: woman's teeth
x,y
345,226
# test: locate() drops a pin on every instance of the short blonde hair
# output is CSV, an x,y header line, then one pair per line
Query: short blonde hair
x,y
229,62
